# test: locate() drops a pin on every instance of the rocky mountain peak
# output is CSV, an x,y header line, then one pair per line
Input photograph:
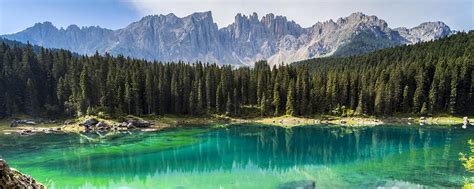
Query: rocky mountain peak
x,y
207,16
359,19
73,27
44,27
424,32
197,38
46,24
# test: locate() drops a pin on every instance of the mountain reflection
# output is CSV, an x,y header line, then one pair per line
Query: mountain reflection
x,y
246,147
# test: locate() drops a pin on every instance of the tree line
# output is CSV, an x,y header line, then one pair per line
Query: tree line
x,y
431,77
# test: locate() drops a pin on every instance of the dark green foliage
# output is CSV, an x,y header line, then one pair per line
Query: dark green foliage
x,y
290,100
432,77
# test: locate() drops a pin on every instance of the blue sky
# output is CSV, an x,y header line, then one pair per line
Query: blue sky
x,y
16,15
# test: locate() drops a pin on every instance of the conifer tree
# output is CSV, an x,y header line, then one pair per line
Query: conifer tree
x,y
228,105
276,98
290,100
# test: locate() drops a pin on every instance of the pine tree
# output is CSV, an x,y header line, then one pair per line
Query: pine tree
x,y
86,91
200,98
290,100
175,93
424,109
419,97
454,94
276,98
228,105
406,99
219,98
128,97
210,98
33,98
236,100
150,93
193,102
263,104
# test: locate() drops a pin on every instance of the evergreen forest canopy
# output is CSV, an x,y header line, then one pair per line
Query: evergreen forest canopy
x,y
432,77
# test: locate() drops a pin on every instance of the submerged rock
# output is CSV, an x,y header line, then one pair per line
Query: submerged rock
x,y
12,178
300,184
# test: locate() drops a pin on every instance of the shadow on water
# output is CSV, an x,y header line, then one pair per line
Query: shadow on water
x,y
365,157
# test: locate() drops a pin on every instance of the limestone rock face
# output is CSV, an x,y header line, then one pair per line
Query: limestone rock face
x,y
249,38
426,31
11,178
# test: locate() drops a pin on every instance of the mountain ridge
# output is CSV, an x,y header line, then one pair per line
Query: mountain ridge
x,y
196,37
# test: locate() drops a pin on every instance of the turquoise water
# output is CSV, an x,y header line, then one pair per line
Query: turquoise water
x,y
245,157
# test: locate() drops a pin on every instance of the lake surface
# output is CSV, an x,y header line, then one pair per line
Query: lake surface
x,y
241,156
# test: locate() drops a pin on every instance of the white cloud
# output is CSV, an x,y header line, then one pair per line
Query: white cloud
x,y
455,13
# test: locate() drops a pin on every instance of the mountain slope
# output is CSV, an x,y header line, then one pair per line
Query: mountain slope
x,y
197,38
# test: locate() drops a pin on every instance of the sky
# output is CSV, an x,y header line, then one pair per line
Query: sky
x,y
17,15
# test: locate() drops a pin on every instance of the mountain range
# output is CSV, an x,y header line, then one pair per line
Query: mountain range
x,y
249,38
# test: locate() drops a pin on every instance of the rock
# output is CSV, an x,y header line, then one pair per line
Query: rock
x,y
138,123
465,120
68,122
14,123
123,124
301,184
90,122
101,124
422,120
12,178
29,122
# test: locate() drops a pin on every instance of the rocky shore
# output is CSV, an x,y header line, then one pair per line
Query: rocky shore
x,y
30,127
96,124
12,178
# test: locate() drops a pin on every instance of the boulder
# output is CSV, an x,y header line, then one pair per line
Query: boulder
x,y
90,122
300,184
11,178
101,124
465,120
138,123
14,123
30,122
422,120
123,124
68,122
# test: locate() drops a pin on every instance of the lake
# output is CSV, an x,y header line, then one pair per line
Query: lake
x,y
245,156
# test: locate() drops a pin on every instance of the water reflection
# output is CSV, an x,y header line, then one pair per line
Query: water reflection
x,y
419,155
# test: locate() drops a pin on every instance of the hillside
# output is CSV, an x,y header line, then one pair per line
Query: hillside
x,y
432,77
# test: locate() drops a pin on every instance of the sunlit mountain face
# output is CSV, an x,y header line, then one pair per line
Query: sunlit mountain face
x,y
248,39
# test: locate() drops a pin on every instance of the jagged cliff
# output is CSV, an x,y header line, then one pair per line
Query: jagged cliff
x,y
249,38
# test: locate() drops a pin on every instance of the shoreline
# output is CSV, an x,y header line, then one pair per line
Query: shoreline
x,y
157,123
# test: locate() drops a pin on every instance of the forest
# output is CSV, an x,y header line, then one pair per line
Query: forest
x,y
427,78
